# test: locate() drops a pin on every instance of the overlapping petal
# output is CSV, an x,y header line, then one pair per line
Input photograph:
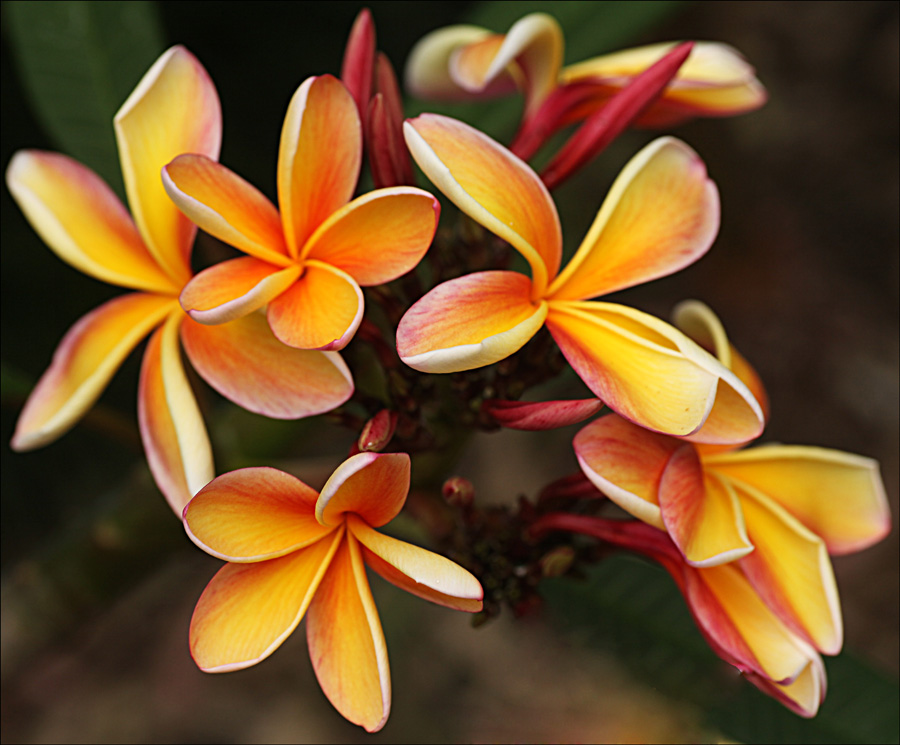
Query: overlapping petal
x,y
427,73
804,695
378,236
172,429
244,362
85,360
253,514
248,610
838,496
492,186
173,110
321,310
371,485
661,215
319,157
423,573
346,643
469,322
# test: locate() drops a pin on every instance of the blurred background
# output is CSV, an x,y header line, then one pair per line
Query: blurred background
x,y
99,581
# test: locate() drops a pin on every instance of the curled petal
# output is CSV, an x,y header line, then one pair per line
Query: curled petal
x,y
427,73
172,429
321,310
371,485
661,215
539,415
319,157
226,206
80,218
346,643
469,322
248,610
702,515
244,362
234,288
253,514
838,496
173,110
492,186
378,236
804,694
423,573
83,363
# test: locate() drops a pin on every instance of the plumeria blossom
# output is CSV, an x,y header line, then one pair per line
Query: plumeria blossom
x,y
732,615
293,551
661,215
462,62
307,262
776,511
174,109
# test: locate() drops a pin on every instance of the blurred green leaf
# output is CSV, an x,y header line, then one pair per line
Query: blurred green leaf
x,y
78,62
634,610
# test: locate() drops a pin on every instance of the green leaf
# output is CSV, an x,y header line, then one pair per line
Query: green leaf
x,y
78,62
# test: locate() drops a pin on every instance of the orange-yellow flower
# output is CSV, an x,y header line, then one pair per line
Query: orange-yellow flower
x,y
774,511
307,262
292,550
661,215
174,109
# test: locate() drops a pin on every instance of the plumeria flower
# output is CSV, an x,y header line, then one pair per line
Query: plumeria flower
x,y
174,109
308,262
732,615
778,511
291,550
463,62
661,215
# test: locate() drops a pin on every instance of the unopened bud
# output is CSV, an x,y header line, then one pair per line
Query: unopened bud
x,y
359,61
378,431
557,562
458,492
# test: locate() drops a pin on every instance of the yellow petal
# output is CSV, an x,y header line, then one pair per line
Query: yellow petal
x,y
248,610
804,694
839,496
469,322
371,485
85,360
416,570
319,157
174,109
492,186
346,643
427,73
80,218
661,215
244,362
172,429
253,514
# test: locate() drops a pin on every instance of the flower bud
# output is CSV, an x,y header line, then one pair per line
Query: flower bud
x,y
458,492
378,431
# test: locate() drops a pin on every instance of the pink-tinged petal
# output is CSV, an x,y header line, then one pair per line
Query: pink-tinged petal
x,y
791,572
371,485
321,310
492,186
702,515
232,289
427,73
346,643
804,694
83,363
175,440
626,463
539,415
80,218
224,205
174,109
423,573
378,236
469,322
661,215
253,514
838,496
359,60
244,362
319,157
248,610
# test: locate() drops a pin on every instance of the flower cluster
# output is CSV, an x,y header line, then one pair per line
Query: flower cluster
x,y
746,532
